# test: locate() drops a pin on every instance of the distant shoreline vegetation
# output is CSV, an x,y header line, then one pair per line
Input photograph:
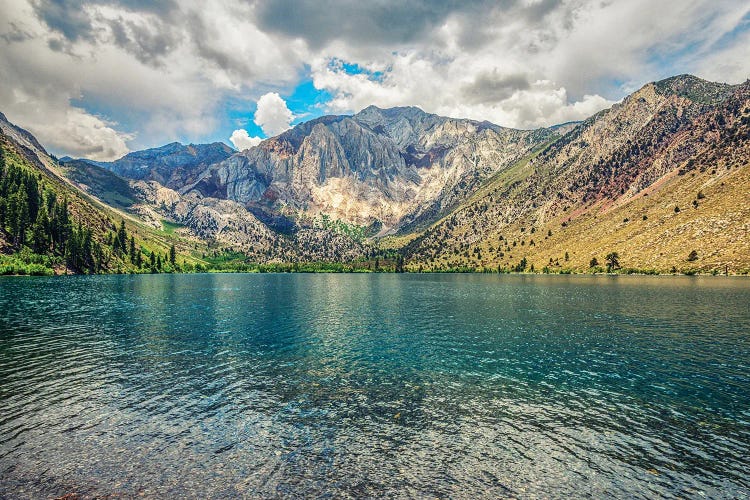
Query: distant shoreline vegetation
x,y
27,263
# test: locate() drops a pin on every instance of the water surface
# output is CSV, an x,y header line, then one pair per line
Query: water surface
x,y
223,385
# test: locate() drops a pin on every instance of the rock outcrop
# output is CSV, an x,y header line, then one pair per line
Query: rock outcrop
x,y
389,168
173,165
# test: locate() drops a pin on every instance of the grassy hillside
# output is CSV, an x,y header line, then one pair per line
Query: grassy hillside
x,y
661,179
647,232
49,227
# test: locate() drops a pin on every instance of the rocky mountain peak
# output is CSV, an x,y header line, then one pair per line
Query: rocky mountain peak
x,y
173,165
382,167
694,88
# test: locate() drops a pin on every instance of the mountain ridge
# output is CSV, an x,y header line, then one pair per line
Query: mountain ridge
x,y
449,193
611,162
374,167
172,165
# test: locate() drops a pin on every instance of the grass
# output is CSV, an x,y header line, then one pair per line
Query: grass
x,y
659,243
26,263
170,227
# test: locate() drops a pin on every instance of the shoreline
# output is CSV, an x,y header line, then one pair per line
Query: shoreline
x,y
509,273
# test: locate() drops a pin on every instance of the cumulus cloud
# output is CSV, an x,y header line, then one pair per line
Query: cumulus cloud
x,y
535,63
104,69
272,115
162,71
242,140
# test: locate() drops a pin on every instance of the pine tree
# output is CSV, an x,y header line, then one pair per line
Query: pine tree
x,y
132,249
172,255
87,259
613,261
121,241
399,263
61,228
98,255
40,231
20,215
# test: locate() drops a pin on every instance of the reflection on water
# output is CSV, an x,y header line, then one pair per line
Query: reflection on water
x,y
372,385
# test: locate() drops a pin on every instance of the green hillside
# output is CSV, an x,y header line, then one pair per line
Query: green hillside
x,y
662,180
49,227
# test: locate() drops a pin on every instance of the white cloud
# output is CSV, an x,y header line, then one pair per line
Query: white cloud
x,y
164,74
453,90
242,140
528,71
84,135
69,72
272,114
730,64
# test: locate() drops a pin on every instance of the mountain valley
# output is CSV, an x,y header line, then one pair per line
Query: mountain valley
x,y
661,179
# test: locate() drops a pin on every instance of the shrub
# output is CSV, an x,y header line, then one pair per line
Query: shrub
x,y
613,261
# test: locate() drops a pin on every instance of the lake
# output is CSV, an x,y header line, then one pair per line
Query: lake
x,y
220,385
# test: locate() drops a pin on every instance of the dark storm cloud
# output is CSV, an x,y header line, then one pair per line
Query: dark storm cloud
x,y
196,28
384,22
493,87
147,43
70,18
66,17
390,22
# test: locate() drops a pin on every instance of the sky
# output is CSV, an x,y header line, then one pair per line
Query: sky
x,y
100,78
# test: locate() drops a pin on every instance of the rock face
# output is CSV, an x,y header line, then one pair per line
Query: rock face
x,y
25,143
468,194
620,181
173,165
389,168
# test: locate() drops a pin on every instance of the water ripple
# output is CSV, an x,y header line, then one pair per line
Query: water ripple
x,y
374,386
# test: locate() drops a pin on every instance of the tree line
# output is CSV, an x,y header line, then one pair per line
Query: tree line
x,y
33,216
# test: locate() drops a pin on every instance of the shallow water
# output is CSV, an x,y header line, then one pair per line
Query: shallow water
x,y
222,385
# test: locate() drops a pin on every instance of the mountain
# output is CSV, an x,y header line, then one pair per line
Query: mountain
x,y
109,187
214,222
661,179
48,226
173,165
654,178
388,169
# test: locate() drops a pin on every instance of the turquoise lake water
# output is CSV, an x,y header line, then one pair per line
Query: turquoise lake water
x,y
221,385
